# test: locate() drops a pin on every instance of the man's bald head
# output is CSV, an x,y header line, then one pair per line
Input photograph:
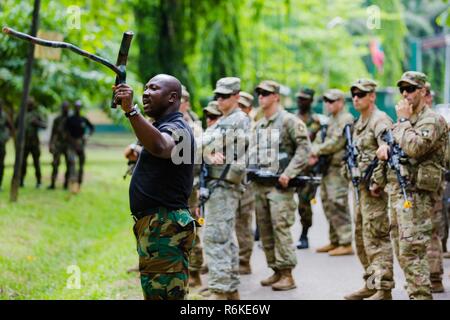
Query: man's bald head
x,y
162,95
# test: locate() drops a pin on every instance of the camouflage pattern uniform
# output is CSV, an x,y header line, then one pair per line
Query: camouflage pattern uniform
x,y
373,244
33,122
334,187
164,240
275,208
58,147
219,237
246,208
4,136
423,138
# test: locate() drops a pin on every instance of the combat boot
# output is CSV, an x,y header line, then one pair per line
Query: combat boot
x,y
437,287
244,268
341,251
303,243
218,296
194,279
272,279
361,294
327,248
286,281
381,295
233,295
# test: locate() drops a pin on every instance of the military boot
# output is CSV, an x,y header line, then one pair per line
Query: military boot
x,y
244,268
286,281
327,248
303,243
272,279
437,287
361,294
381,295
194,279
233,295
218,296
341,251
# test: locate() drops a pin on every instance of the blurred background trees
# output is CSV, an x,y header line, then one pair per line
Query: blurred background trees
x,y
296,42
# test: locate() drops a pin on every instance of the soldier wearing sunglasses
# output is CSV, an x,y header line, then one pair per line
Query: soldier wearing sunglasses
x,y
422,135
373,244
226,169
334,187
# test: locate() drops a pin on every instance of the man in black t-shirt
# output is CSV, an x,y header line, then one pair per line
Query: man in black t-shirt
x,y
160,188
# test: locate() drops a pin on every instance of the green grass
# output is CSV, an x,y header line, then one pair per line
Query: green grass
x,y
46,232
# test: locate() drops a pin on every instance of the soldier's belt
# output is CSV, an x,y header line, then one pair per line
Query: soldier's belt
x,y
271,179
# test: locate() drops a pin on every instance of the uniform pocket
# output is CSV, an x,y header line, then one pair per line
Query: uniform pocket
x,y
429,177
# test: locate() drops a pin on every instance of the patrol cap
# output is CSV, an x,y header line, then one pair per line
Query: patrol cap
x,y
213,108
365,85
334,94
184,92
246,99
413,77
228,85
306,93
269,85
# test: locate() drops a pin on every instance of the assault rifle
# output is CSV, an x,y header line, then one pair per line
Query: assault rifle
x,y
268,178
350,160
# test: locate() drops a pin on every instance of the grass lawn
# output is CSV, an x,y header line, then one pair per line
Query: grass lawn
x,y
47,237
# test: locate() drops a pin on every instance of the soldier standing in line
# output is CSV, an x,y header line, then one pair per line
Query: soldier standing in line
x,y
33,122
196,255
434,251
76,126
246,209
278,131
305,98
373,244
5,132
334,187
226,169
58,145
422,135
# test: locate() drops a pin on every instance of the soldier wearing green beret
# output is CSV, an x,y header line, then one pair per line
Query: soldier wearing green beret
x,y
422,134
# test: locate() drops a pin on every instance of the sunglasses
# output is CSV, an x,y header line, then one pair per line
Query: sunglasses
x,y
326,100
359,94
409,89
263,93
222,96
212,116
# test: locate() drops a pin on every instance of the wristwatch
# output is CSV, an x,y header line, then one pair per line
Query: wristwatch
x,y
134,111
403,120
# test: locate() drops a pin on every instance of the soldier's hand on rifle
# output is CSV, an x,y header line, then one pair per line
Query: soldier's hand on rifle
x,y
124,93
383,152
403,109
312,160
284,180
375,190
216,158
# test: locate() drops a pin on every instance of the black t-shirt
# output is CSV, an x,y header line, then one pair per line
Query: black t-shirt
x,y
161,182
76,126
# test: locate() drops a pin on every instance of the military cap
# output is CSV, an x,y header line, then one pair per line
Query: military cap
x,y
365,85
413,77
228,85
334,94
246,99
213,108
184,92
306,93
270,86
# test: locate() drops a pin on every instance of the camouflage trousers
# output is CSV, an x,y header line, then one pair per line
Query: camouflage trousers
x,y
57,153
219,239
305,195
74,151
35,151
373,242
434,251
275,213
164,241
244,215
2,161
196,256
411,235
334,195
